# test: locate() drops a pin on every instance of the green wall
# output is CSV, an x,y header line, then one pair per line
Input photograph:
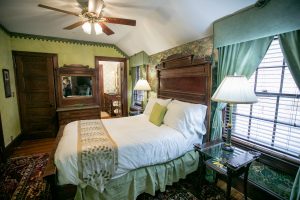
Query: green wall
x,y
8,106
69,52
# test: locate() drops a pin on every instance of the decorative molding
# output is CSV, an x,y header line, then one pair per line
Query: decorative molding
x,y
4,29
261,3
62,40
120,51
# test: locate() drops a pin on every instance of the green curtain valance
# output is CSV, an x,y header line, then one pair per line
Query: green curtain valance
x,y
139,59
278,16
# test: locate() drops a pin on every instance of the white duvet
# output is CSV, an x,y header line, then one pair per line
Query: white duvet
x,y
140,143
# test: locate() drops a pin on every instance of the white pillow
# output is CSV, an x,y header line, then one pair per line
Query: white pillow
x,y
187,118
152,101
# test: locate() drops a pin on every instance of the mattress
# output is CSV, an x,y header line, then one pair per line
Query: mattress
x,y
140,143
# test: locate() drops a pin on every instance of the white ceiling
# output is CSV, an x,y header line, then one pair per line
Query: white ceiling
x,y
161,24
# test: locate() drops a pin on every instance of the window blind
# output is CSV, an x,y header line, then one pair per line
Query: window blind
x,y
274,121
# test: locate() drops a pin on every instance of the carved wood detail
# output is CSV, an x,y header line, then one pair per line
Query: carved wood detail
x,y
186,78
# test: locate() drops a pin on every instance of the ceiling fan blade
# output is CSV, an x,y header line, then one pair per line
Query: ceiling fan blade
x,y
72,26
95,6
105,29
59,10
83,3
114,20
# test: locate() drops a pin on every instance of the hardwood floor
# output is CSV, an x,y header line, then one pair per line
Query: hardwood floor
x,y
235,194
29,147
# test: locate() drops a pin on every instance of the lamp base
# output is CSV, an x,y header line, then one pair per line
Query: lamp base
x,y
227,147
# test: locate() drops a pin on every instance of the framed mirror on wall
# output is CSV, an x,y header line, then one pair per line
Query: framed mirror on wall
x,y
77,85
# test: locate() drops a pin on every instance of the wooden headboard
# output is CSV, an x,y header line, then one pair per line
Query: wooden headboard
x,y
186,78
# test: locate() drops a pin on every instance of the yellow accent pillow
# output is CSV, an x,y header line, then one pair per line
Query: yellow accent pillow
x,y
157,114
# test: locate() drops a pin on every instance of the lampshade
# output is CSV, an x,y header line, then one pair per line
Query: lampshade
x,y
142,84
235,90
98,28
87,27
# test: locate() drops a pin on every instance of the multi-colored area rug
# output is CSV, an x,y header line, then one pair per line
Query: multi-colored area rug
x,y
21,178
186,190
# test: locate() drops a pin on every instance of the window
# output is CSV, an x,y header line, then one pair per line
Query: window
x,y
138,95
274,121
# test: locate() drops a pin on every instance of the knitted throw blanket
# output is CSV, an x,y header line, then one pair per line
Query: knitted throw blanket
x,y
97,154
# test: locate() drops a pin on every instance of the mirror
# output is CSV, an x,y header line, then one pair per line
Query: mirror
x,y
76,86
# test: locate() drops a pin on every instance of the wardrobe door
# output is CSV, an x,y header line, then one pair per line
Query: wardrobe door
x,y
36,93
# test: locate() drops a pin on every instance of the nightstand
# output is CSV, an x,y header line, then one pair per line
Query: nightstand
x,y
232,164
133,113
136,109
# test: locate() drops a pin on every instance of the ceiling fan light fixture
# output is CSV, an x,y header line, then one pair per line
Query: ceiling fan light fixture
x,y
98,28
93,16
87,27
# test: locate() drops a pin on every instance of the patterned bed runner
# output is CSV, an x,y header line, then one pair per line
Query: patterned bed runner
x,y
97,154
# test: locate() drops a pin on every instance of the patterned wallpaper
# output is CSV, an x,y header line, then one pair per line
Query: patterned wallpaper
x,y
110,76
201,47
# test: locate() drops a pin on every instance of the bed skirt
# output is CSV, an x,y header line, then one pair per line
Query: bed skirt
x,y
146,179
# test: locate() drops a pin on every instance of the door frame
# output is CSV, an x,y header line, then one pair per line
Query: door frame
x,y
55,65
124,83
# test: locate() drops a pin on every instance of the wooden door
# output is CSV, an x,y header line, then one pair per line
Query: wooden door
x,y
36,93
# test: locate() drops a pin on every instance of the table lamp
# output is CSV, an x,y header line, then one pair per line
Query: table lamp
x,y
233,90
142,85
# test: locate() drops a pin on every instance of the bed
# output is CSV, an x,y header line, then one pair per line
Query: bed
x,y
149,157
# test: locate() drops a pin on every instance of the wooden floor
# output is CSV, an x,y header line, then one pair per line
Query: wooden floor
x,y
235,194
29,147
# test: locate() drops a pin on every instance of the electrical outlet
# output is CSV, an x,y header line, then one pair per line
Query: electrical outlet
x,y
11,138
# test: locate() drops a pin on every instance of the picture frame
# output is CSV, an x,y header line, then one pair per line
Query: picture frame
x,y
6,81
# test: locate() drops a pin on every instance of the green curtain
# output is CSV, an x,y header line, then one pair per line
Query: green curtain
x,y
295,194
290,45
242,59
143,71
133,81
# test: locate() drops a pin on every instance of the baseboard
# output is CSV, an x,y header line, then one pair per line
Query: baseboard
x,y
11,146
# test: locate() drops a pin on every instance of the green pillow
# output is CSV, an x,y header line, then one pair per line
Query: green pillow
x,y
157,114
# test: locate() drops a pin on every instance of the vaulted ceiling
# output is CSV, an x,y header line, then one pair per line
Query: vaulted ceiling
x,y
161,24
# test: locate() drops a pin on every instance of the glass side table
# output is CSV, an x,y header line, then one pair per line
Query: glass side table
x,y
232,164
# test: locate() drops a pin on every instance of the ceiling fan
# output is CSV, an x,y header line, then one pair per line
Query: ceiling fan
x,y
93,15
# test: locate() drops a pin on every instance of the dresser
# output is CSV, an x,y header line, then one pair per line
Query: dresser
x,y
77,93
74,113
